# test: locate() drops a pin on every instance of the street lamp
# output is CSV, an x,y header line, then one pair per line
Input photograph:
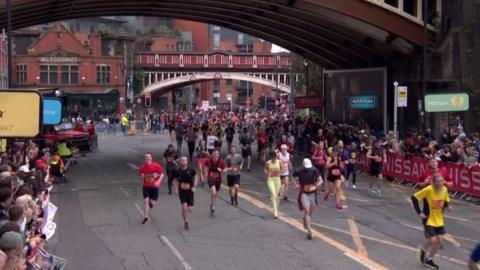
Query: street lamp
x,y
305,63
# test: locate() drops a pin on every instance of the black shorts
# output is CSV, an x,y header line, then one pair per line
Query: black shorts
x,y
246,153
233,180
186,196
375,172
216,184
151,193
431,231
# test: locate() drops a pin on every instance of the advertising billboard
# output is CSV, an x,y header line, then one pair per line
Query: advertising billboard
x,y
366,88
453,102
52,111
20,114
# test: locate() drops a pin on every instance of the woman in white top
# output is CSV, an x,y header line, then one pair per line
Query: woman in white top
x,y
285,166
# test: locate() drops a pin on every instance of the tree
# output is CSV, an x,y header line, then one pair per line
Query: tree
x,y
102,29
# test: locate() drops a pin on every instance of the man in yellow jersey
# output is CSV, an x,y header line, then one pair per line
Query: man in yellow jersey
x,y
436,198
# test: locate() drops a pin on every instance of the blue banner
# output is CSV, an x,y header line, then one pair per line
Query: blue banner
x,y
52,111
363,102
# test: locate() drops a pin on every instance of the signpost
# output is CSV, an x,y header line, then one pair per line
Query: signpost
x,y
400,100
21,114
453,102
363,102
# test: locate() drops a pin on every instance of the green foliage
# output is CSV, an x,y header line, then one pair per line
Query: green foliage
x,y
102,29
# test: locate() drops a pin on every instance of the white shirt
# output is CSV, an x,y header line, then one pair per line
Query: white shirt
x,y
285,161
211,142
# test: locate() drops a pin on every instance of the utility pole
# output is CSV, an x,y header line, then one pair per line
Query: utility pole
x,y
9,41
424,77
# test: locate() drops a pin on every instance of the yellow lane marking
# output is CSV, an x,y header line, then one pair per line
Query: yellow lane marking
x,y
358,200
386,242
360,258
356,237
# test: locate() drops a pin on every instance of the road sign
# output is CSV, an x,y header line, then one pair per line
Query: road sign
x,y
363,102
20,114
402,96
455,102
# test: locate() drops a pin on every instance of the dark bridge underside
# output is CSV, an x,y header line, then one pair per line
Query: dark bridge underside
x,y
334,33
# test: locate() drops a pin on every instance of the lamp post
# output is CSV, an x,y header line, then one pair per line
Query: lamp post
x,y
305,63
395,108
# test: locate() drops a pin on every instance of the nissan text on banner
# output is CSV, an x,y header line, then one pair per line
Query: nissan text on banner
x,y
20,113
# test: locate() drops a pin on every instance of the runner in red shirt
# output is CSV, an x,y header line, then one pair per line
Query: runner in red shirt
x,y
151,173
214,167
262,139
433,168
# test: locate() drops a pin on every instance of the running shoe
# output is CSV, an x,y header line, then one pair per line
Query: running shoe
x,y
325,196
212,212
420,254
145,220
430,264
354,186
286,199
339,206
309,235
379,194
186,227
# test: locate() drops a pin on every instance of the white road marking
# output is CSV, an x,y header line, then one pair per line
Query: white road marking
x,y
139,209
177,253
124,191
133,150
132,166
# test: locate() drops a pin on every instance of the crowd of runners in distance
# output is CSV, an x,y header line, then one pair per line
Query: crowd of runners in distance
x,y
328,154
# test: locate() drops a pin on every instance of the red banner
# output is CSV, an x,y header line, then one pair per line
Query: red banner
x,y
308,102
411,169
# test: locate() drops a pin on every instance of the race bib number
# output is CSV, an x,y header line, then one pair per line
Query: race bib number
x,y
214,174
438,204
149,178
274,173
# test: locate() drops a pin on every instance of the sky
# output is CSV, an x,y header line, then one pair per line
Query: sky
x,y
277,49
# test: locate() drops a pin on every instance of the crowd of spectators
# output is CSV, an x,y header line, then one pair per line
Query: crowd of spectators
x,y
25,182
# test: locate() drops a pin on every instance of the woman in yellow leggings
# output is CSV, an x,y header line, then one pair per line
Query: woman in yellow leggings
x,y
272,170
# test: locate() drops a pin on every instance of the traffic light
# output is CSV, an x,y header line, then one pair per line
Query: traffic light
x,y
148,100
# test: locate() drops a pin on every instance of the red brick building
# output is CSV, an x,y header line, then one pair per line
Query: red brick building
x,y
3,61
73,63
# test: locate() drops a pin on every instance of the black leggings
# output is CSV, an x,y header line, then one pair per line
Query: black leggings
x,y
352,169
191,149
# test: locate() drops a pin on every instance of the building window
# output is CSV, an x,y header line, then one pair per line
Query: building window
x,y
103,74
21,73
410,7
241,39
69,74
48,74
216,41
229,81
393,3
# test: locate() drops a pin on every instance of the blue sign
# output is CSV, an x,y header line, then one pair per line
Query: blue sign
x,y
52,111
363,102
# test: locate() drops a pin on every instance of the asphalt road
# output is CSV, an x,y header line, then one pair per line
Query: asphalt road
x,y
99,223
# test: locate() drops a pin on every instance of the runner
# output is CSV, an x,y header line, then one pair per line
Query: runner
x,y
474,258
170,156
211,139
229,134
377,157
320,159
335,180
309,180
352,165
186,178
202,157
214,167
272,170
433,168
262,141
437,200
152,175
179,134
191,141
286,165
246,144
234,165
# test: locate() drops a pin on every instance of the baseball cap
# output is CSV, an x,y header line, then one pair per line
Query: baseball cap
x,y
307,163
24,168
